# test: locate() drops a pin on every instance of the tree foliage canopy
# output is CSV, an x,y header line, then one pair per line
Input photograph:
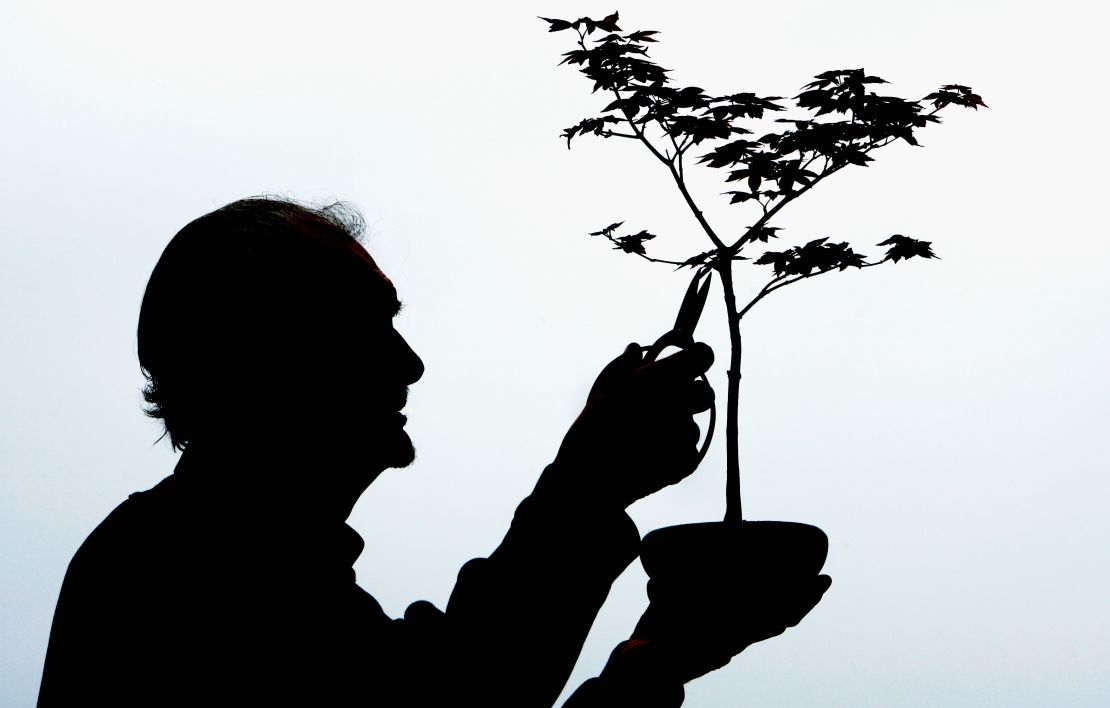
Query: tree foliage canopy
x,y
836,120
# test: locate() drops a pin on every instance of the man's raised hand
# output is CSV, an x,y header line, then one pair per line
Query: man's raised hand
x,y
636,433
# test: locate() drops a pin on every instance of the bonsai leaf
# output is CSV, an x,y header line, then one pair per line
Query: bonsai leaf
x,y
711,257
700,259
906,247
838,91
575,56
827,138
817,255
589,125
730,153
607,231
741,197
643,36
763,233
847,258
855,157
699,129
759,166
744,105
688,97
791,172
586,22
778,259
820,99
617,71
632,104
826,256
957,94
609,24
633,243
844,81
556,25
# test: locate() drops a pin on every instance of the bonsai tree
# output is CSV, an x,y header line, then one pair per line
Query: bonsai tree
x,y
836,122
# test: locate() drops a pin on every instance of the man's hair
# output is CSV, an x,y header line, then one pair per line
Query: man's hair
x,y
224,285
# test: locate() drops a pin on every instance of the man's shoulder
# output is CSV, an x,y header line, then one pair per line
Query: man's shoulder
x,y
114,571
152,506
132,530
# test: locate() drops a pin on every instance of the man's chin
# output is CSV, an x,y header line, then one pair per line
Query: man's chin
x,y
400,451
403,458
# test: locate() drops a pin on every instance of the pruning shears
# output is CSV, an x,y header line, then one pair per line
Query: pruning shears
x,y
681,336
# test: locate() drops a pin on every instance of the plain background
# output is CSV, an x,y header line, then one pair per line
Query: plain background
x,y
943,421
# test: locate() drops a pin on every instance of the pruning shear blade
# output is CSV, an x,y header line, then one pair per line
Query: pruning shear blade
x,y
692,304
689,312
682,336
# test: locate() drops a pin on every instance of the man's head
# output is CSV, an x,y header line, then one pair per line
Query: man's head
x,y
266,322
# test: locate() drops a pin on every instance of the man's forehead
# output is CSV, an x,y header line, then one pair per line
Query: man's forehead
x,y
356,249
380,284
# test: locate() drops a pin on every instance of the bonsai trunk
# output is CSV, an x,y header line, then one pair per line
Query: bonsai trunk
x,y
733,509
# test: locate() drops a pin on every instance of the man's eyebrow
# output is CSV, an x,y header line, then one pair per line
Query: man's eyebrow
x,y
397,307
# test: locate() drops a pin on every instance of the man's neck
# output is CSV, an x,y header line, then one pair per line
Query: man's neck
x,y
287,481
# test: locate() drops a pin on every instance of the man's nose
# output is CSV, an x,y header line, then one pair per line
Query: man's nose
x,y
412,364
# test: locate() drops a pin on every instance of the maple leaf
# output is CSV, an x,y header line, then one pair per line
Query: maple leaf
x,y
758,166
699,259
633,243
556,25
778,259
957,94
817,255
699,129
607,231
741,197
764,232
575,56
744,105
609,24
906,247
589,125
586,22
730,153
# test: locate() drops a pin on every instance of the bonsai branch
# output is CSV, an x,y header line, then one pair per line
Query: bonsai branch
x,y
780,282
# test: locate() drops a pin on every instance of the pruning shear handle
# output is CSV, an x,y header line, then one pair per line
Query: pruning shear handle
x,y
682,337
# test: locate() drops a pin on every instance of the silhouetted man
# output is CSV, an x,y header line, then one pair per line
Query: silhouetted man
x,y
266,336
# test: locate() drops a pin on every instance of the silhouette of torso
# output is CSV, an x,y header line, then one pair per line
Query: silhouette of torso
x,y
189,594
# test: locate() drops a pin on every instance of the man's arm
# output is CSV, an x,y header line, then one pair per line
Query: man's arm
x,y
517,620
531,604
690,631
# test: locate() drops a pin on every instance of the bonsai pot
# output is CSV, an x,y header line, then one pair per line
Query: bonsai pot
x,y
715,588
703,574
733,551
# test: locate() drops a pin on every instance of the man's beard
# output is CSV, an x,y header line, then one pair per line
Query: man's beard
x,y
382,442
398,451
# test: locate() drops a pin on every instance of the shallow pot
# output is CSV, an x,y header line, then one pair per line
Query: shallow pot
x,y
734,550
726,585
716,588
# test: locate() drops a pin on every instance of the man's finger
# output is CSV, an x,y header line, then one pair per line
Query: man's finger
x,y
701,396
805,600
678,367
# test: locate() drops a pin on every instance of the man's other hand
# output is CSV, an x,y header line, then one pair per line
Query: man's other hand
x,y
694,630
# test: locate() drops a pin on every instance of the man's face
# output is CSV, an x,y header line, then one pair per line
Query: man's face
x,y
386,365
354,370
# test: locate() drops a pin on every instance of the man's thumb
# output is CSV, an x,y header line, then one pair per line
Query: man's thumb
x,y
618,369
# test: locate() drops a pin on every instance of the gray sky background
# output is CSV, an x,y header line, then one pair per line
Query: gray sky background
x,y
943,421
